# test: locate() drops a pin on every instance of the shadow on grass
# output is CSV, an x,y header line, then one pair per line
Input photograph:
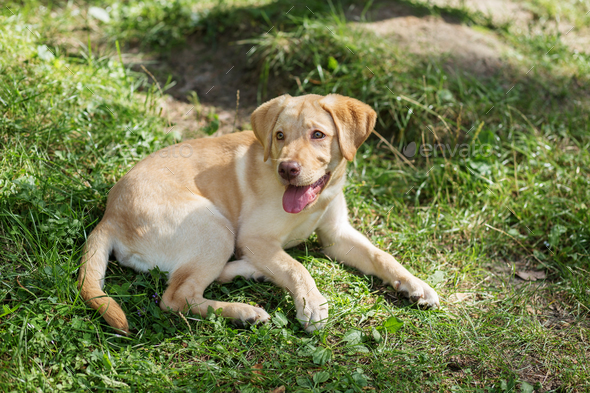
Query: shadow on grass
x,y
264,51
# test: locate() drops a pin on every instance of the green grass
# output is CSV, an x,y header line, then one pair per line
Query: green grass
x,y
574,12
74,120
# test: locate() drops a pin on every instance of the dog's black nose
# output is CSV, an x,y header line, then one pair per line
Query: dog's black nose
x,y
289,169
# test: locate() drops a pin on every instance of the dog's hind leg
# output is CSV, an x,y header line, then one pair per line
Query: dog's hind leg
x,y
202,261
185,290
240,268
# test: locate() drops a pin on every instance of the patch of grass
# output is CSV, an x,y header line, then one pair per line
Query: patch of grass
x,y
154,24
74,121
563,11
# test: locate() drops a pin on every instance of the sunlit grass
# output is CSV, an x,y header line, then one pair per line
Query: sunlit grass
x,y
74,120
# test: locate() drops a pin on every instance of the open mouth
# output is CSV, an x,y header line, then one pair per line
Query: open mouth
x,y
296,198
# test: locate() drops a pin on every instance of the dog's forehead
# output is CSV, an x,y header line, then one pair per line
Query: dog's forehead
x,y
304,111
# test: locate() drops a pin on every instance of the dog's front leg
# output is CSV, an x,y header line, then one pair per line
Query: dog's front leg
x,y
270,259
345,244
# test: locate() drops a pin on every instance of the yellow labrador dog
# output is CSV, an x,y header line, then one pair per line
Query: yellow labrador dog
x,y
187,210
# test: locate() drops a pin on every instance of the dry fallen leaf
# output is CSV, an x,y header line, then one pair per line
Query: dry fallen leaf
x,y
459,297
530,310
280,389
257,373
531,275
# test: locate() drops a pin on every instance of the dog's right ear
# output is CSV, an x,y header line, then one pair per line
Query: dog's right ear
x,y
263,121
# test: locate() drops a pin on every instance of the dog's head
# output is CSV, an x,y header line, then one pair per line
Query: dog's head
x,y
308,138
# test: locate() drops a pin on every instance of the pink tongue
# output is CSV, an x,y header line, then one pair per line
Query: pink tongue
x,y
296,198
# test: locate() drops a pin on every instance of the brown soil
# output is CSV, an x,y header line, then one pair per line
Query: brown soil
x,y
500,11
464,48
478,51
215,73
520,17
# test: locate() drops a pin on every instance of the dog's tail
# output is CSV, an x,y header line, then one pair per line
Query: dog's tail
x,y
91,278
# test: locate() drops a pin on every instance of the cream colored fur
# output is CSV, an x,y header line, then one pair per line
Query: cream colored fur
x,y
188,208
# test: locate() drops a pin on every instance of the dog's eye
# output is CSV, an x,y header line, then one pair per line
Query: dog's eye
x,y
318,135
280,136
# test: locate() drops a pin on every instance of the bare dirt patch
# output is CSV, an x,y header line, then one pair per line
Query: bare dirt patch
x,y
215,72
463,47
500,11
477,50
519,15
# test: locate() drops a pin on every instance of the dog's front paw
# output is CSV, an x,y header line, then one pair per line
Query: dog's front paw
x,y
417,291
312,311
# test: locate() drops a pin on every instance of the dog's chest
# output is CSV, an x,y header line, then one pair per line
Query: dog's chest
x,y
300,232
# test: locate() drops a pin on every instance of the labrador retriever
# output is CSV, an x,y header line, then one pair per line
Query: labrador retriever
x,y
189,208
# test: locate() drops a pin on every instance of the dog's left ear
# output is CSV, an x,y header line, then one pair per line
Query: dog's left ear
x,y
354,121
263,121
